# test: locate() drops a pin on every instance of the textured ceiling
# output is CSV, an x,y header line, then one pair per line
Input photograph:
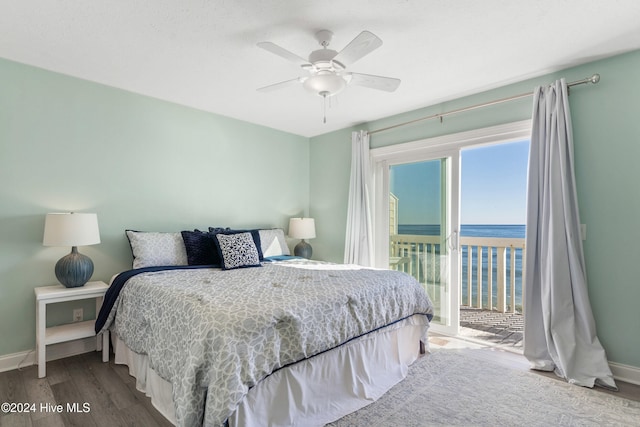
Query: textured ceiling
x,y
203,54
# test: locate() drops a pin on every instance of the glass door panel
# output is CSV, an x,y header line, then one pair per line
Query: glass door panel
x,y
421,241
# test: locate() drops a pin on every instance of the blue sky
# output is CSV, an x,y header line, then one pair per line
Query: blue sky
x,y
493,186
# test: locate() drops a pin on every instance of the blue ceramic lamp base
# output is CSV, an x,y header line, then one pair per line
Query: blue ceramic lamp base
x,y
303,249
74,270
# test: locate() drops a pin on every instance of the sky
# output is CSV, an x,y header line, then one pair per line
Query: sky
x,y
493,186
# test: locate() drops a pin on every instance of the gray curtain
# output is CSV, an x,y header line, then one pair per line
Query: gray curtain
x,y
358,248
559,328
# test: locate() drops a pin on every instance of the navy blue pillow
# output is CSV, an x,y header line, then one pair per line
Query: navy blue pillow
x,y
201,248
255,234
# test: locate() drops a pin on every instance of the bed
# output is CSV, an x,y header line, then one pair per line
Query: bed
x,y
275,341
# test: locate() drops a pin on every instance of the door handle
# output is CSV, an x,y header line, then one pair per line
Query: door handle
x,y
453,241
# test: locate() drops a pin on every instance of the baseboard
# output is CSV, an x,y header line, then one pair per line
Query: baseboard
x,y
23,359
626,373
9,362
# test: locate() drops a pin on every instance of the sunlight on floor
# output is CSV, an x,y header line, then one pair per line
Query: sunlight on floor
x,y
439,341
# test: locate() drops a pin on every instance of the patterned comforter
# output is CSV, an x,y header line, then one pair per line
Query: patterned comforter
x,y
214,334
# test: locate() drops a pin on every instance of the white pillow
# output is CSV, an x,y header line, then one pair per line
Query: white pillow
x,y
152,249
273,243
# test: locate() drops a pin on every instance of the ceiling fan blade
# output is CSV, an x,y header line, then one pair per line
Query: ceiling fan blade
x,y
387,84
282,52
280,85
364,43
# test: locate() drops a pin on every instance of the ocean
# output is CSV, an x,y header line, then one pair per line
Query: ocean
x,y
473,230
480,230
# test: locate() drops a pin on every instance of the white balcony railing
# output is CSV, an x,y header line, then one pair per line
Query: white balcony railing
x,y
491,268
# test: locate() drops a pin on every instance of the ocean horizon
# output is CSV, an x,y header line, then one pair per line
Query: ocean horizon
x,y
472,230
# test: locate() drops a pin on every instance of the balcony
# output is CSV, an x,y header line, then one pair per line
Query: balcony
x,y
491,271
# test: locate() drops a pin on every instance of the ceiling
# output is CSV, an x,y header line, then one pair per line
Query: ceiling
x,y
203,53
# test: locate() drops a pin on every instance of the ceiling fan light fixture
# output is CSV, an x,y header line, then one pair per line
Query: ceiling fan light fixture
x,y
325,84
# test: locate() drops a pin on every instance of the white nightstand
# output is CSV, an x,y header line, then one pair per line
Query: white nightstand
x,y
71,331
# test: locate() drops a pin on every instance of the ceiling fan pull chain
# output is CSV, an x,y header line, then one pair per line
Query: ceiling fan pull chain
x,y
324,119
324,107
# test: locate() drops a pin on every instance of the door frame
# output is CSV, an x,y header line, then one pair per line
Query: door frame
x,y
445,146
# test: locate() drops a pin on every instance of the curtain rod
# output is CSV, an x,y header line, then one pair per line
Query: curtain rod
x,y
593,79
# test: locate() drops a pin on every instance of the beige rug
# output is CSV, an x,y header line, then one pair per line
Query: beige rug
x,y
447,388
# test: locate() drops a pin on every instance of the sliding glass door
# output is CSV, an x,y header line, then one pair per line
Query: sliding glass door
x,y
422,229
417,211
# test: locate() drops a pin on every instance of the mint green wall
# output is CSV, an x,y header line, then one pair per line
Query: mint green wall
x,y
68,144
607,150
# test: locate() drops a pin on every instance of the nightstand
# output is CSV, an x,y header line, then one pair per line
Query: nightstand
x,y
72,331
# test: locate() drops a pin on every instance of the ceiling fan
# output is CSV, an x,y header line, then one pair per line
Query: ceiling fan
x,y
327,67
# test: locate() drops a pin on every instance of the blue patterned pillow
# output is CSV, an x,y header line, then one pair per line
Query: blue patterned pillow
x,y
255,234
237,250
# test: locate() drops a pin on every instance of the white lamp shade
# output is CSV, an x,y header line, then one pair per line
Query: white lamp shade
x,y
302,228
71,229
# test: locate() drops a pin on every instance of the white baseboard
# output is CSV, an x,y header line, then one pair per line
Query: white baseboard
x,y
626,373
9,362
23,359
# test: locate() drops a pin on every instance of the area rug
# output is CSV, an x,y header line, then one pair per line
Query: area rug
x,y
448,388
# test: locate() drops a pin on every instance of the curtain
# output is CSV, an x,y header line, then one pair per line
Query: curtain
x,y
358,248
559,328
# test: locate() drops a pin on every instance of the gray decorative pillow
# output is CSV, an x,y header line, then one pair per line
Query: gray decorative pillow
x,y
152,249
273,242
237,250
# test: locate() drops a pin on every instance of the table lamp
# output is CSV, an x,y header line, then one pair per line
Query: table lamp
x,y
72,229
302,228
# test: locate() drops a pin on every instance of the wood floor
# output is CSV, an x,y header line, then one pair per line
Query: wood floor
x,y
113,400
503,329
107,388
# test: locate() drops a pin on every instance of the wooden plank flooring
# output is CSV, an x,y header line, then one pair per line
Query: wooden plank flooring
x,y
107,389
113,400
505,329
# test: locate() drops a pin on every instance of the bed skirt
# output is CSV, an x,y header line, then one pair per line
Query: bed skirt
x,y
313,392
